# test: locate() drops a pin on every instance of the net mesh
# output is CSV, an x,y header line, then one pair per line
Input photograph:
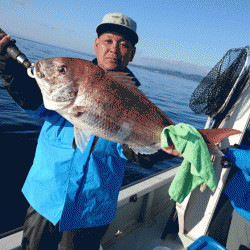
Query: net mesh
x,y
238,90
214,89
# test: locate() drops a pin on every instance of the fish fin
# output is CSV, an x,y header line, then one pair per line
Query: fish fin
x,y
125,78
148,150
81,138
216,152
213,136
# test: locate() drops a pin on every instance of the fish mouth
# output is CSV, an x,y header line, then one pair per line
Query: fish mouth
x,y
38,70
45,68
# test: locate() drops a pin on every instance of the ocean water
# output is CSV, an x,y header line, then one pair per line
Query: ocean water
x,y
171,94
19,131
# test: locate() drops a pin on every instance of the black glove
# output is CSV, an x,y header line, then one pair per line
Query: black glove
x,y
10,68
23,89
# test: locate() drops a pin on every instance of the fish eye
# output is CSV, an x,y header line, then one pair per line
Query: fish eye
x,y
63,69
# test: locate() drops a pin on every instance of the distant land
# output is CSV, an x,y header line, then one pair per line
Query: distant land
x,y
175,68
180,69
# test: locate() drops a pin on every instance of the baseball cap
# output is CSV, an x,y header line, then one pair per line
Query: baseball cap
x,y
121,23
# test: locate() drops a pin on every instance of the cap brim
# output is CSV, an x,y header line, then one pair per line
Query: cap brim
x,y
128,33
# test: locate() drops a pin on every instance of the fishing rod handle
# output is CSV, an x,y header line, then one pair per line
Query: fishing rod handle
x,y
15,53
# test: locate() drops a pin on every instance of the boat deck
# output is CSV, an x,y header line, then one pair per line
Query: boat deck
x,y
11,242
145,237
148,237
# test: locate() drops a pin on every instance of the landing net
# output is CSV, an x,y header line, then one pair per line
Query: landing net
x,y
214,91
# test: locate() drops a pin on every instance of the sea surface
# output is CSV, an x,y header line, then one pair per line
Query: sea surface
x,y
19,131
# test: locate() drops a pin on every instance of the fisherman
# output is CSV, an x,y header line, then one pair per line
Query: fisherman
x,y
73,195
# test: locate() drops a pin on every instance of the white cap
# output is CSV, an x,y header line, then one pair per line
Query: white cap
x,y
118,22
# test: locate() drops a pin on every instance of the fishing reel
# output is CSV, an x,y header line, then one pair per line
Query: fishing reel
x,y
15,53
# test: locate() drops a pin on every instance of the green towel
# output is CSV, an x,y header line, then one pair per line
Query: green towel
x,y
196,167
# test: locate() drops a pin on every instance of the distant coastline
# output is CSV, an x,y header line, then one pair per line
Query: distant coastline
x,y
177,72
192,77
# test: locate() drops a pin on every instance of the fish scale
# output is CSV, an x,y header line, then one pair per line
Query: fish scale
x,y
106,104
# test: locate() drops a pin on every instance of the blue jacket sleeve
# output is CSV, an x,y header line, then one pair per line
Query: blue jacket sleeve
x,y
240,158
40,112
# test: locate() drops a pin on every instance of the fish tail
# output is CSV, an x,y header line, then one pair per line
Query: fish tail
x,y
213,136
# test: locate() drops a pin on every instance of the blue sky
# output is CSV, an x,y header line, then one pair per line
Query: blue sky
x,y
194,31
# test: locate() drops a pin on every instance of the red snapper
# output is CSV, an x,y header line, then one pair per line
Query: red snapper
x,y
106,104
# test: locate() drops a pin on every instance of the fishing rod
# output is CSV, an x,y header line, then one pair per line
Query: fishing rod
x,y
15,53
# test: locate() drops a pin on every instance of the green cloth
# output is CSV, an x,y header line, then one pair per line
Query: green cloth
x,y
196,167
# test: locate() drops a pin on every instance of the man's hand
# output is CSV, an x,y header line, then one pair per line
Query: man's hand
x,y
4,39
171,148
172,151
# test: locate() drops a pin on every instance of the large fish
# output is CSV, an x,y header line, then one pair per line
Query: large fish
x,y
106,104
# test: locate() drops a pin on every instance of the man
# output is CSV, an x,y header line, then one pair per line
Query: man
x,y
73,195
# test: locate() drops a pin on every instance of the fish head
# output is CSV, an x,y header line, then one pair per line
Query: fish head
x,y
58,79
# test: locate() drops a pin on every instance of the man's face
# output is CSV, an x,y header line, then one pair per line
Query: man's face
x,y
113,51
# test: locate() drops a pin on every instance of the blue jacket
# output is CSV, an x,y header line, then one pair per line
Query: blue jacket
x,y
81,189
238,190
78,189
